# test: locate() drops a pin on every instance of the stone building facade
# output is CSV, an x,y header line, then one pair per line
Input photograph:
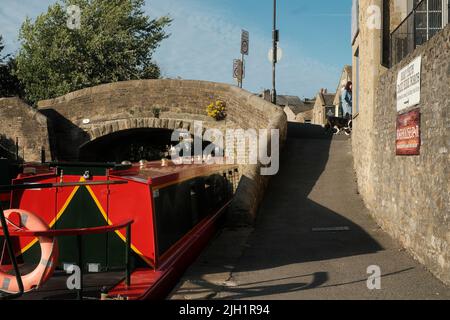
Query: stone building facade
x,y
407,195
296,110
306,116
323,107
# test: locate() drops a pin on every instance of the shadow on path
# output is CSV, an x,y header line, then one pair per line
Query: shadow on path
x,y
284,229
283,257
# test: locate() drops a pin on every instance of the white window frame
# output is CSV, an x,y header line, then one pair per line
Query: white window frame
x,y
444,12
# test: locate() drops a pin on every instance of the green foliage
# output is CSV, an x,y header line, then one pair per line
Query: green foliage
x,y
9,84
115,42
1,48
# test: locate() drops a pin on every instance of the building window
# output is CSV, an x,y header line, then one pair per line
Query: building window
x,y
427,18
448,12
330,111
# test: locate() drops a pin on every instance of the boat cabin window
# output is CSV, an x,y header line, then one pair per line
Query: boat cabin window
x,y
180,207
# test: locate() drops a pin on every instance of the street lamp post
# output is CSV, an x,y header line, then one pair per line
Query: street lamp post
x,y
275,37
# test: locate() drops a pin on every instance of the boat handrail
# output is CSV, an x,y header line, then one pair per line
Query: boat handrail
x,y
70,232
31,186
67,232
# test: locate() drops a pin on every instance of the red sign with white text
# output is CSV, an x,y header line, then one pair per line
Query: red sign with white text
x,y
408,133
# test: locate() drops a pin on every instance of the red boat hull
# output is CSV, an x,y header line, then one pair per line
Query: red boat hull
x,y
171,222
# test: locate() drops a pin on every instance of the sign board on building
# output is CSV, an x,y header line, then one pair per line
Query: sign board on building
x,y
408,85
408,133
238,72
245,42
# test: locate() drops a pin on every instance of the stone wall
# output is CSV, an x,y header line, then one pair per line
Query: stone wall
x,y
19,120
83,116
409,196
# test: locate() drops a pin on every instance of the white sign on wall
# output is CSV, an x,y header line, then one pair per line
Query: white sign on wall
x,y
408,85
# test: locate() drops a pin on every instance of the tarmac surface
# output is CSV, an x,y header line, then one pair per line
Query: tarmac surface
x,y
313,238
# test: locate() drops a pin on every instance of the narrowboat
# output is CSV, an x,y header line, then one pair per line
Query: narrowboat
x,y
108,231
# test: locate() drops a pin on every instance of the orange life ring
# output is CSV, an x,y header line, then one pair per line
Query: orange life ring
x,y
47,263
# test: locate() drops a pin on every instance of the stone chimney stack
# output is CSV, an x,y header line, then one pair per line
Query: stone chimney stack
x,y
266,95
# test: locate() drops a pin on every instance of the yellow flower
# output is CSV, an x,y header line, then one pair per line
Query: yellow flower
x,y
217,110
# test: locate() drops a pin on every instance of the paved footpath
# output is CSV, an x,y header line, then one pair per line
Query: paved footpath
x,y
291,254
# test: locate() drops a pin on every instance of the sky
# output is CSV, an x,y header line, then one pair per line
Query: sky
x,y
205,38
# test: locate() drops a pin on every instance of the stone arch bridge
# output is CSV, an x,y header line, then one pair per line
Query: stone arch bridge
x,y
69,123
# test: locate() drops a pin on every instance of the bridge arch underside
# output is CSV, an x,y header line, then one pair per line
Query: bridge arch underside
x,y
133,145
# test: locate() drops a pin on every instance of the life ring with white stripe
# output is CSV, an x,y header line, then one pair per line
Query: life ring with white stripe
x,y
49,255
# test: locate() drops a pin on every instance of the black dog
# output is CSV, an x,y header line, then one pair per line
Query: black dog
x,y
338,124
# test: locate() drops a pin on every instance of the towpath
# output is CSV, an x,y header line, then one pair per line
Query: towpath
x,y
314,238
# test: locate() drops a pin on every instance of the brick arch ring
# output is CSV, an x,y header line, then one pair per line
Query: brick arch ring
x,y
111,127
137,123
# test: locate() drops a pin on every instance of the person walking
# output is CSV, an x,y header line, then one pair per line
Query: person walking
x,y
341,93
346,99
